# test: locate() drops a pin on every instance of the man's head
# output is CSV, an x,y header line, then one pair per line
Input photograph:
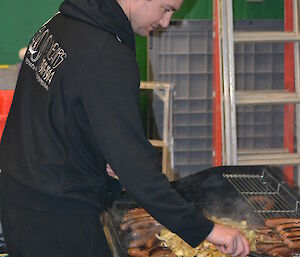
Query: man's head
x,y
147,15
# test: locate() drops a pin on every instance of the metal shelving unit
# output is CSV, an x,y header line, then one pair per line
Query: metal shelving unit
x,y
272,80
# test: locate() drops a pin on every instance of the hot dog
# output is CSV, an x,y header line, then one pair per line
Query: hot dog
x,y
283,233
279,251
151,241
145,224
135,216
137,243
290,234
287,226
126,224
274,222
137,252
136,210
141,233
265,247
292,242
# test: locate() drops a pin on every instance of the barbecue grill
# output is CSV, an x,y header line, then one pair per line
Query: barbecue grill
x,y
229,191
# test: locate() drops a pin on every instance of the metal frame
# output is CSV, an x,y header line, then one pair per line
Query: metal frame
x,y
231,98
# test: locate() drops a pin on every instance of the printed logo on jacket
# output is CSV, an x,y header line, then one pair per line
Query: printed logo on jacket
x,y
44,55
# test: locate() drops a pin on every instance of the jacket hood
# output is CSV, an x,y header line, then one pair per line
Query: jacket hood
x,y
105,14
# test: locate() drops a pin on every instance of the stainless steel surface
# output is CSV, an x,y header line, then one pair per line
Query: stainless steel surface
x,y
273,192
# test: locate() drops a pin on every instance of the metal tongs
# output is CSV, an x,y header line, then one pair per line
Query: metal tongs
x,y
254,254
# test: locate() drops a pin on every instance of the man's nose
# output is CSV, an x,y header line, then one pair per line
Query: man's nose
x,y
165,20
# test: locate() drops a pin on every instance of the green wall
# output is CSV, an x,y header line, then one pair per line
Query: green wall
x,y
19,20
267,9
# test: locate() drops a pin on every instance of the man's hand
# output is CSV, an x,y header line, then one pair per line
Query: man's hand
x,y
110,172
229,241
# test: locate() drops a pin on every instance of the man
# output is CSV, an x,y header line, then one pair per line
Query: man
x,y
75,109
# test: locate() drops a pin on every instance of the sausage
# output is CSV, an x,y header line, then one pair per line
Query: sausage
x,y
290,234
151,241
292,242
135,216
287,226
264,247
137,252
136,210
141,233
145,224
126,224
285,232
268,238
274,222
279,251
137,243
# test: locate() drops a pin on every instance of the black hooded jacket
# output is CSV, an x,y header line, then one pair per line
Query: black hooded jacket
x,y
75,109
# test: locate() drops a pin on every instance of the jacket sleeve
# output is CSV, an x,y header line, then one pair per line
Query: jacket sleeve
x,y
110,98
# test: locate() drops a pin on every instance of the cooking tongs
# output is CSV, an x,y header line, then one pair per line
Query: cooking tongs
x,y
254,254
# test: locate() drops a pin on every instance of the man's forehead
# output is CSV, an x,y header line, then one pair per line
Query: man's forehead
x,y
173,4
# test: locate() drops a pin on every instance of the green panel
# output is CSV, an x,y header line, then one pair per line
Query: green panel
x,y
265,9
18,22
141,55
20,19
194,9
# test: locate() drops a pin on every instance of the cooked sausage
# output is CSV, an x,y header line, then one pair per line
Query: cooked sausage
x,y
274,222
279,251
126,224
287,226
264,247
292,242
137,243
290,234
135,216
136,210
151,241
137,252
284,232
145,224
267,239
141,233
134,213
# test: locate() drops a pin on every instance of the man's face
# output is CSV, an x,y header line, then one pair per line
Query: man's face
x,y
147,15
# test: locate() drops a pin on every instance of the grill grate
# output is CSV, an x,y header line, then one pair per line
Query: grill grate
x,y
269,197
